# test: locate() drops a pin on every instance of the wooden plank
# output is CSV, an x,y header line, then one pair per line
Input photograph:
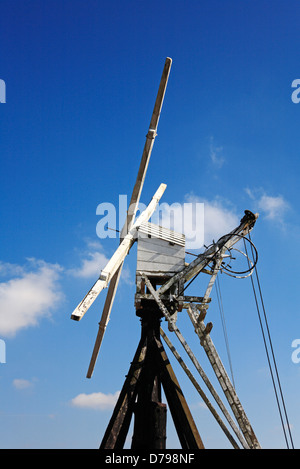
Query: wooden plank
x,y
154,269
150,137
153,256
198,388
160,232
223,378
118,257
116,432
154,244
189,299
183,420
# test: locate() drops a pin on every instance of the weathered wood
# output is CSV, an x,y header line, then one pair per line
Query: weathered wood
x,y
118,257
186,298
199,389
161,251
162,247
154,268
141,394
117,429
150,137
152,230
195,362
184,423
133,205
229,391
203,259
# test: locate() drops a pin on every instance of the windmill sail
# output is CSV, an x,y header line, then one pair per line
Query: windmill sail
x,y
135,198
118,257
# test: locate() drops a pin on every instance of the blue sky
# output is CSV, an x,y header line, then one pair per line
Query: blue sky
x,y
81,79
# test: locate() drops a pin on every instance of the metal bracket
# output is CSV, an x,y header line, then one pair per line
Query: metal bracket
x,y
151,134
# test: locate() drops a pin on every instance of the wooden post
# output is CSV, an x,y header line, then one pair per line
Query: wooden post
x,y
141,394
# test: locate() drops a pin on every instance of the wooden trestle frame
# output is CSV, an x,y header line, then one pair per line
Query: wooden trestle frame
x,y
141,395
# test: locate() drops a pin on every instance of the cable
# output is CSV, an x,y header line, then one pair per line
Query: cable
x,y
220,302
254,261
208,260
230,235
273,355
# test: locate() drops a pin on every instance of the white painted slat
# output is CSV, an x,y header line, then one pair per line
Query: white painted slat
x,y
150,268
158,246
160,232
118,257
152,260
148,256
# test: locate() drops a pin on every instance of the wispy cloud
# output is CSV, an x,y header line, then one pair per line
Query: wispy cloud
x,y
29,296
91,262
21,384
273,208
217,218
216,154
220,218
96,401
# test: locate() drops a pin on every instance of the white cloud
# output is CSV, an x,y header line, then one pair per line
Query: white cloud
x,y
29,297
92,261
200,226
7,269
22,383
91,266
97,400
272,207
219,219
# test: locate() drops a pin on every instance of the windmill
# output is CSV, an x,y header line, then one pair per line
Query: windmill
x,y
162,276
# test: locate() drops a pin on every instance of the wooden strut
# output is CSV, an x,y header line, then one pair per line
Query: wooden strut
x,y
222,376
199,389
200,370
141,395
249,440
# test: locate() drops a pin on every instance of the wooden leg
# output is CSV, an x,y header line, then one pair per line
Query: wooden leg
x,y
184,423
141,394
116,432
